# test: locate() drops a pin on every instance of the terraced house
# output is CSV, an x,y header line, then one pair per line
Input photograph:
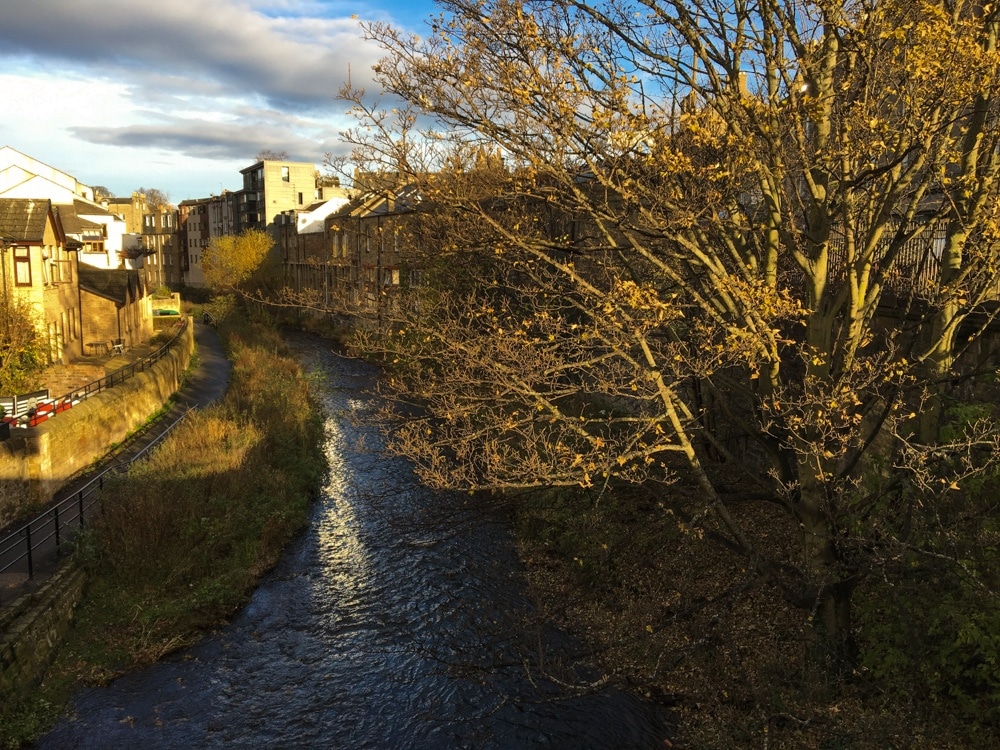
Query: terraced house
x,y
57,229
39,265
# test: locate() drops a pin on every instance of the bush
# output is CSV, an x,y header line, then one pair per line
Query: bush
x,y
929,623
935,640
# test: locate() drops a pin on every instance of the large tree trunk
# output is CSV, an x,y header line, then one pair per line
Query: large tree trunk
x,y
829,589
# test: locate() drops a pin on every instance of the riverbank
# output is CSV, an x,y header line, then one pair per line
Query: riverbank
x,y
188,532
686,624
396,620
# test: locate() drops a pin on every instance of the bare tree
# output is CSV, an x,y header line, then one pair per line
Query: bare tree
x,y
101,193
271,155
156,199
706,223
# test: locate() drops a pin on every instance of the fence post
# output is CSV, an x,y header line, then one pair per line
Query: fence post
x,y
81,509
55,518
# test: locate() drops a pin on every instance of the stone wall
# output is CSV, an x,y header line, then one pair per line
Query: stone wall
x,y
14,481
36,462
33,627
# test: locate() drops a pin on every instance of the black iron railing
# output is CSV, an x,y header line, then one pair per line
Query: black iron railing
x,y
43,540
45,536
124,373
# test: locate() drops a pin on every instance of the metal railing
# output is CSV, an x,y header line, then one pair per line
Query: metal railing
x,y
45,535
124,373
43,539
20,406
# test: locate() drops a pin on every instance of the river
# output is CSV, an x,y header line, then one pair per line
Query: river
x,y
397,620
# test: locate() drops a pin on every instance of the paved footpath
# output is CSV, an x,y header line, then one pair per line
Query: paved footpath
x,y
206,382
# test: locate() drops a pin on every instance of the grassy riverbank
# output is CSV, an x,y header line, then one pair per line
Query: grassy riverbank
x,y
188,532
689,625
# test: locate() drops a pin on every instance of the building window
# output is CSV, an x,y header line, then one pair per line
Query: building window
x,y
300,199
285,176
22,266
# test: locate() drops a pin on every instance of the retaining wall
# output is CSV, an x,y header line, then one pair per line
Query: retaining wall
x,y
33,627
36,462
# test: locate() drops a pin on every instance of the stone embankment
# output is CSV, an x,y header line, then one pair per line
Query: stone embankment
x,y
33,627
43,458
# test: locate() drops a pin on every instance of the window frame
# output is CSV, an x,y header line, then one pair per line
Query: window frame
x,y
22,263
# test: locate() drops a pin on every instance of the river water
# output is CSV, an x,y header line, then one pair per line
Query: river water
x,y
398,620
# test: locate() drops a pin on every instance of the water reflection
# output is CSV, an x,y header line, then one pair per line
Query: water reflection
x,y
344,560
397,621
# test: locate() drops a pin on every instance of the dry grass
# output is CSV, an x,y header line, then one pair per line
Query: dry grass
x,y
187,533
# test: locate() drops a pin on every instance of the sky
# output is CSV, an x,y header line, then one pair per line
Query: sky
x,y
179,95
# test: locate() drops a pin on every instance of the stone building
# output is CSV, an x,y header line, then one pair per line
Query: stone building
x,y
271,188
161,248
39,265
115,308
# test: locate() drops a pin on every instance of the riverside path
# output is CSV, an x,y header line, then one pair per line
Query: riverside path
x,y
206,381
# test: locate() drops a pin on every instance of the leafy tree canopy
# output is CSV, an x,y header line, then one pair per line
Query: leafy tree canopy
x,y
22,353
235,262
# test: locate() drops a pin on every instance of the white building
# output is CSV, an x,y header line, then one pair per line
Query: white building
x,y
101,232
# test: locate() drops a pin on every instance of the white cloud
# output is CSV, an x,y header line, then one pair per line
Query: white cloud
x,y
284,60
124,93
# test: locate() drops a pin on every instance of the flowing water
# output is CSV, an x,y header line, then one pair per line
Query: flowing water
x,y
398,620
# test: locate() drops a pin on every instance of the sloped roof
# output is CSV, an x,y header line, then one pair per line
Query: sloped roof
x,y
115,284
403,199
73,223
86,208
23,219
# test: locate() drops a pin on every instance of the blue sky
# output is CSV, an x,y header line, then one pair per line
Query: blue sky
x,y
181,94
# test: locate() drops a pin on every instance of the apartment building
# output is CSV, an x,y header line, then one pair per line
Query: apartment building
x,y
162,248
22,176
194,234
131,210
199,221
365,253
304,242
271,188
